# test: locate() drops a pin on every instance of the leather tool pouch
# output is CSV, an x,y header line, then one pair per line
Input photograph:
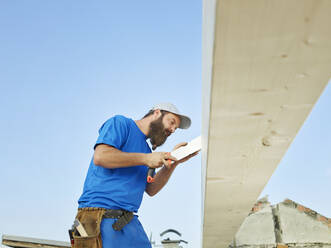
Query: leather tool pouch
x,y
91,219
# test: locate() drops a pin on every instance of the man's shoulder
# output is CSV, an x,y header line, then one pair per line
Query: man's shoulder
x,y
119,118
117,122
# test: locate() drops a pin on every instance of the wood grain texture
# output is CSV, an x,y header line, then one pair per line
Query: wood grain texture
x,y
271,62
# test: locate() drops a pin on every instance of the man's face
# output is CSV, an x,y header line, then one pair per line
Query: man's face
x,y
162,128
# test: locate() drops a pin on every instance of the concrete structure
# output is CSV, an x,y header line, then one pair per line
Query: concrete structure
x,y
286,224
257,228
265,63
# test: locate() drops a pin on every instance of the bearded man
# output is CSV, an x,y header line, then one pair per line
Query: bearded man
x,y
117,177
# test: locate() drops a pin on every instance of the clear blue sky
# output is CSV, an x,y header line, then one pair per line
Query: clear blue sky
x,y
67,66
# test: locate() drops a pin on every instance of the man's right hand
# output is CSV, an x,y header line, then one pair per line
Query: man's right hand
x,y
157,159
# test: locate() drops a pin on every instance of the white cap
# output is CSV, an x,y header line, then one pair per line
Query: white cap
x,y
185,122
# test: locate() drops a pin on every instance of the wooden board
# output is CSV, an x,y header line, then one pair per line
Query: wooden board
x,y
17,241
271,60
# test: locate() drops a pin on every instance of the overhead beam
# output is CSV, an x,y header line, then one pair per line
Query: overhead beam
x,y
269,63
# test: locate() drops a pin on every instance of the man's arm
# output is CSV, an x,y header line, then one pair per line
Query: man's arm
x,y
110,157
162,176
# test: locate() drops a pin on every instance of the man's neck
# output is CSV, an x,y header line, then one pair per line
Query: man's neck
x,y
143,125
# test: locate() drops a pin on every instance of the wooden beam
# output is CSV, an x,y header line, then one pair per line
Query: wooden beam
x,y
271,61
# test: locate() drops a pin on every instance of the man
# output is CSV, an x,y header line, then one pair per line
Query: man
x,y
117,176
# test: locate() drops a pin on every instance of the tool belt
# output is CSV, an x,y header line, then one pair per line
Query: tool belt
x,y
123,216
90,219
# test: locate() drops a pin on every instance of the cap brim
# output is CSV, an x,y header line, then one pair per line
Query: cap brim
x,y
185,122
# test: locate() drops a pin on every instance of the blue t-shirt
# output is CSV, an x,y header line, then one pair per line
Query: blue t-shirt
x,y
120,188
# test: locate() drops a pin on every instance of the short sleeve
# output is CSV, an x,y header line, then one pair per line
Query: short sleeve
x,y
113,132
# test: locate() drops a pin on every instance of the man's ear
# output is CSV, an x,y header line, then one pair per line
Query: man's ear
x,y
157,113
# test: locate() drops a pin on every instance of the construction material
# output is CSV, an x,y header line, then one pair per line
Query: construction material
x,y
268,63
180,153
80,228
17,241
190,148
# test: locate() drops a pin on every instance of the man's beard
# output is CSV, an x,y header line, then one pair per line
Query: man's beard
x,y
157,133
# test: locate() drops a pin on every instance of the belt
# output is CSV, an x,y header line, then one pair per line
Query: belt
x,y
114,213
123,217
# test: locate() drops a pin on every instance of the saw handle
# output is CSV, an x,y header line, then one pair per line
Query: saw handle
x,y
150,174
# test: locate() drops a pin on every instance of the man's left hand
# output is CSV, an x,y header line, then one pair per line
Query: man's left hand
x,y
174,164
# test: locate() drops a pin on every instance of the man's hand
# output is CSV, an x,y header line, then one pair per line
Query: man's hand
x,y
157,159
163,175
183,159
179,145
